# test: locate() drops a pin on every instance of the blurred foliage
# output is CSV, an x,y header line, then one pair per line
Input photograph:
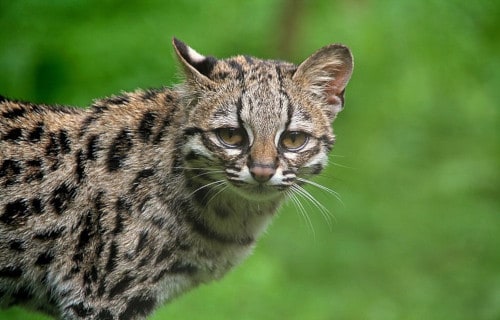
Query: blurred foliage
x,y
417,161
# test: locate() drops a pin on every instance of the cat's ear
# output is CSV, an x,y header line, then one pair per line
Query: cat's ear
x,y
196,66
325,74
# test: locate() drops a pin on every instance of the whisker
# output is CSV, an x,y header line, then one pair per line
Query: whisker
x,y
322,209
206,173
301,210
340,165
196,168
224,187
322,187
216,183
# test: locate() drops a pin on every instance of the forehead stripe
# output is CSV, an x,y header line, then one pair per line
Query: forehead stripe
x,y
239,108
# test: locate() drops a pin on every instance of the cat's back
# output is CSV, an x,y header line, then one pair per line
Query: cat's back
x,y
26,127
36,137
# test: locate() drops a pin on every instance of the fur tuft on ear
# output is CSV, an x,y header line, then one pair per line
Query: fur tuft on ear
x,y
195,64
325,74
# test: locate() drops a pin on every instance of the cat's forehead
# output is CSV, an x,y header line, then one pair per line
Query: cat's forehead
x,y
247,68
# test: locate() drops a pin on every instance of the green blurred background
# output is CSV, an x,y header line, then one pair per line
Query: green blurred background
x,y
417,163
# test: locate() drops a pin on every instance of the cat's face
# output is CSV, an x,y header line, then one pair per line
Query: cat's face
x,y
260,127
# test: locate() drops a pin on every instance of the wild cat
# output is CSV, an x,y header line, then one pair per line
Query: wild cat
x,y
110,211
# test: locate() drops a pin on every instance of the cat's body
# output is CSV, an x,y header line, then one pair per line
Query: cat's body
x,y
108,212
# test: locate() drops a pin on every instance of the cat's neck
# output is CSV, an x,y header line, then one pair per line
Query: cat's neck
x,y
232,218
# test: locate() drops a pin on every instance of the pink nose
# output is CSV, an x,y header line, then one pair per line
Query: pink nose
x,y
262,172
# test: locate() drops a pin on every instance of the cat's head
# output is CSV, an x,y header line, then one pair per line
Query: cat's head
x,y
258,127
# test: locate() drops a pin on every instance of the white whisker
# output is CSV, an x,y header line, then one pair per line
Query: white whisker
x,y
322,209
224,187
301,210
322,187
216,183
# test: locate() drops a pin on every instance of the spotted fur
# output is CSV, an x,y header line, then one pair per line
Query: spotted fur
x,y
110,211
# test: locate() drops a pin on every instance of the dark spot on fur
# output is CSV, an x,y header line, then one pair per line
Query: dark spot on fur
x,y
81,310
120,286
141,243
104,314
34,170
52,151
15,212
220,75
22,295
327,141
62,197
13,135
11,272
80,165
112,257
146,126
150,94
44,258
36,134
88,121
10,169
50,234
238,68
188,132
118,224
102,288
92,147
64,141
169,99
17,245
119,149
163,128
164,254
13,113
52,148
143,174
85,236
36,205
122,99
160,275
88,278
138,307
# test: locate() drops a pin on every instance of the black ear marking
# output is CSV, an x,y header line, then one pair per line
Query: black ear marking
x,y
192,60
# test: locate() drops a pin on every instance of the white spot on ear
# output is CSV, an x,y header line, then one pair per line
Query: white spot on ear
x,y
195,56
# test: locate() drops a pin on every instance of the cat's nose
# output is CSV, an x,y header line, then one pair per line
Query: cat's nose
x,y
262,172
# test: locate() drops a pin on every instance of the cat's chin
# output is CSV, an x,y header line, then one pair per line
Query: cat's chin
x,y
258,192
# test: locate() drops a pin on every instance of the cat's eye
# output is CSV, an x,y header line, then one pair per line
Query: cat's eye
x,y
231,137
294,140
